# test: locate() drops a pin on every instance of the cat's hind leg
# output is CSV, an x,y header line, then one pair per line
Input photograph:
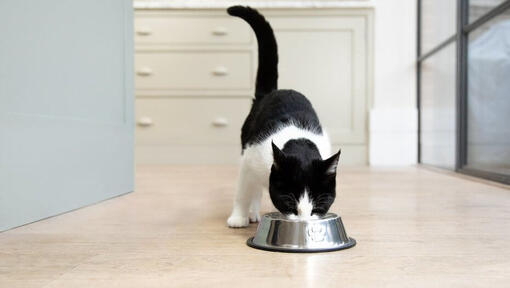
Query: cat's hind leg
x,y
247,187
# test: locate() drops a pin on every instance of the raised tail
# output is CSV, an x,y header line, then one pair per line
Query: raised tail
x,y
267,74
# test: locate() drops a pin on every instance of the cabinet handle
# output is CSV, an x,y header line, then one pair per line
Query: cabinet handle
x,y
220,31
145,122
220,71
144,31
220,122
144,71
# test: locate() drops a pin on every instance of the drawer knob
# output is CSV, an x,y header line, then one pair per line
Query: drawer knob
x,y
220,122
220,31
144,31
144,71
220,71
145,121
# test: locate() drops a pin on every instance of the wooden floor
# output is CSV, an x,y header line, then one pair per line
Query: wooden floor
x,y
414,227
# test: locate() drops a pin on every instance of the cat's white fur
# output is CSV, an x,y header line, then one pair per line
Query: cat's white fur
x,y
254,173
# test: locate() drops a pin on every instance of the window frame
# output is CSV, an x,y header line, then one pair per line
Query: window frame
x,y
464,28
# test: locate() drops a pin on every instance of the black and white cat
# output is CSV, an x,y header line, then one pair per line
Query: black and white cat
x,y
284,145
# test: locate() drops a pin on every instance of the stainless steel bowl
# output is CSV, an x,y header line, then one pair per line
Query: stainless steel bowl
x,y
278,233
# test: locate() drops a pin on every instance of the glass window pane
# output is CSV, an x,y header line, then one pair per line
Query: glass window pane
x,y
478,8
488,143
438,22
438,108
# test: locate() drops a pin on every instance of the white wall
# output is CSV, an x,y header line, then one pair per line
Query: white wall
x,y
393,118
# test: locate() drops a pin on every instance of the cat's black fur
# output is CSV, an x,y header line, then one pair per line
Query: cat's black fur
x,y
298,165
278,108
271,108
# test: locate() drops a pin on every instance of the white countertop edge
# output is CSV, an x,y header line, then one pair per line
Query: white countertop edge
x,y
255,4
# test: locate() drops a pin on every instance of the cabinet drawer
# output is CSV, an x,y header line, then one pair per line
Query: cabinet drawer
x,y
193,70
185,121
175,29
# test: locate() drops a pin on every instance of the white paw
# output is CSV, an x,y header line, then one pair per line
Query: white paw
x,y
254,217
237,221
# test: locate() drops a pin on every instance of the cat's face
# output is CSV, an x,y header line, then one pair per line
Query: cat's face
x,y
302,188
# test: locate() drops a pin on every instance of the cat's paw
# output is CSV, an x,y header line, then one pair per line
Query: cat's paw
x,y
254,217
237,221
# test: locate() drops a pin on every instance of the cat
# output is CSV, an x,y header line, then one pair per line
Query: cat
x,y
284,147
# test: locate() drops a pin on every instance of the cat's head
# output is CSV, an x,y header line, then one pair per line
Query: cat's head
x,y
300,186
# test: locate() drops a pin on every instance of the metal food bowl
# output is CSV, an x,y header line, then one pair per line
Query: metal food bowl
x,y
278,233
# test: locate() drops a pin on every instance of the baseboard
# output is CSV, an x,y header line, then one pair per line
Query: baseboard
x,y
352,154
188,154
393,137
224,154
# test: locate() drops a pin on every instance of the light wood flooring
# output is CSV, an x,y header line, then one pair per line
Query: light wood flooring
x,y
414,227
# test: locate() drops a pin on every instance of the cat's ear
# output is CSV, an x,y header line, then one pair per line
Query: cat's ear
x,y
329,165
278,154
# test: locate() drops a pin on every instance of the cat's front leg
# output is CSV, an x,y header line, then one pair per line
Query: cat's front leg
x,y
255,206
247,188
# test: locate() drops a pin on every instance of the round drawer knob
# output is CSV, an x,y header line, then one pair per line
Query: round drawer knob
x,y
145,122
220,122
220,31
143,31
144,71
220,71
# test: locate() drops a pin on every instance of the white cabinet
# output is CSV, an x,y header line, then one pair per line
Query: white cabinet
x,y
192,70
325,54
175,28
195,73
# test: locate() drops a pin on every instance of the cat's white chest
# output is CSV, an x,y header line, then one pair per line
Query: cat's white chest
x,y
259,157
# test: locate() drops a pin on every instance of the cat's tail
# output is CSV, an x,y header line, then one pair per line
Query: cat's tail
x,y
267,74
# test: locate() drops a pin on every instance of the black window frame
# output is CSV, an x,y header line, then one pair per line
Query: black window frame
x,y
461,40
